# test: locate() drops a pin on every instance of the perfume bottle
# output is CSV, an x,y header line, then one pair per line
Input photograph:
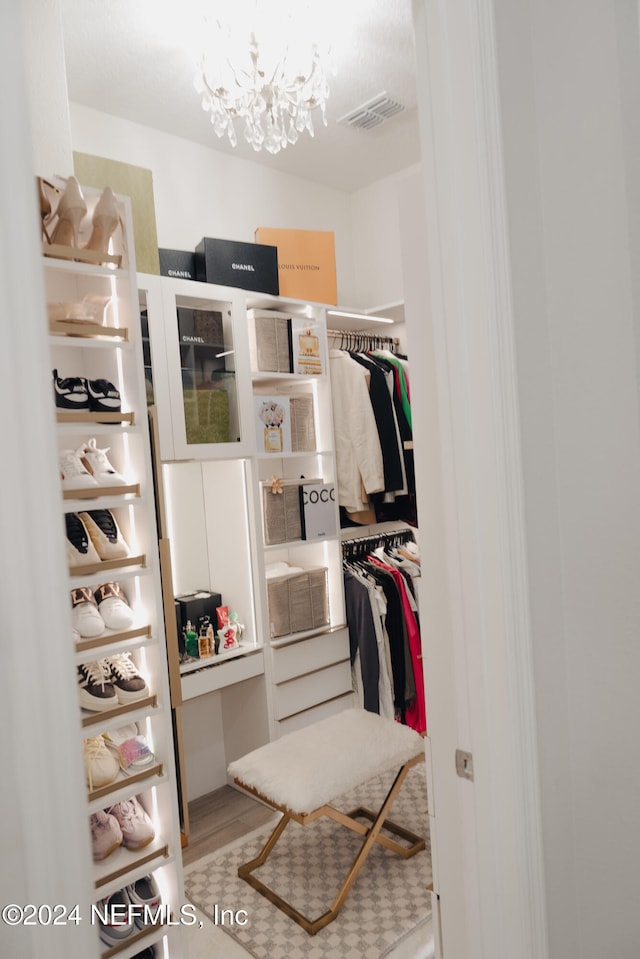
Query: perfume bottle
x,y
191,640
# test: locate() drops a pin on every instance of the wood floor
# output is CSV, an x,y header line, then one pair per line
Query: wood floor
x,y
219,818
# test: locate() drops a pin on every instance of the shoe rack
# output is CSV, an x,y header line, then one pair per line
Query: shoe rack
x,y
94,335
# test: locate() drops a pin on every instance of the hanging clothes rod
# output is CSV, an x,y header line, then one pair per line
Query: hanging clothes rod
x,y
362,342
361,545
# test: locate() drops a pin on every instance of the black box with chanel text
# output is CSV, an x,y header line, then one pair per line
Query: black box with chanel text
x,y
249,266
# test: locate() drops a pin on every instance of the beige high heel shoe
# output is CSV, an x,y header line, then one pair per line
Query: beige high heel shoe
x,y
70,213
45,205
106,217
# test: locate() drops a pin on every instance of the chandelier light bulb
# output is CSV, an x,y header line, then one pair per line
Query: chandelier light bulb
x,y
269,84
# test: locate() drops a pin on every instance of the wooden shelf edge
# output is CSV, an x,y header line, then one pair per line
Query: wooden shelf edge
x,y
112,638
76,254
106,715
108,564
159,852
87,329
151,773
83,416
140,934
97,492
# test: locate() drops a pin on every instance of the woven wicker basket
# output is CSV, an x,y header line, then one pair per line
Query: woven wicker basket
x,y
273,343
303,431
281,512
298,602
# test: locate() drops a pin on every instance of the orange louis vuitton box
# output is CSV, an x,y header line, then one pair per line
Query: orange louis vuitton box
x,y
306,263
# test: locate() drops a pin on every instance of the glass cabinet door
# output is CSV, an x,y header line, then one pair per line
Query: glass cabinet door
x,y
197,337
207,369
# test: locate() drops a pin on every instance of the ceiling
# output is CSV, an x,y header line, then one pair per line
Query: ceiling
x,y
136,59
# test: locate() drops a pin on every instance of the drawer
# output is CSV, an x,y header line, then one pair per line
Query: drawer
x,y
315,714
306,691
310,654
221,674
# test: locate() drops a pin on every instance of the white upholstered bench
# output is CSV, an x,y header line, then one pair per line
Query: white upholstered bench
x,y
303,772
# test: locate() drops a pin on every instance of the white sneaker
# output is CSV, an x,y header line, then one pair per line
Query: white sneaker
x,y
113,606
85,617
75,474
130,747
101,469
101,767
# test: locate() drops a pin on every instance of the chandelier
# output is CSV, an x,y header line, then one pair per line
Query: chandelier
x,y
270,84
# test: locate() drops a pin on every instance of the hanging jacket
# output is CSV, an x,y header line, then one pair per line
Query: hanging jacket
x,y
358,453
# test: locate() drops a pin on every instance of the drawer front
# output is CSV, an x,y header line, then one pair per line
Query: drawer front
x,y
309,654
306,691
315,714
211,678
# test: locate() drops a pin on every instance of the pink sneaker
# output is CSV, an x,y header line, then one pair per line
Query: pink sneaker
x,y
137,828
106,835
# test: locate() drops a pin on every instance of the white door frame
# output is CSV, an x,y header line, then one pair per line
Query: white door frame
x,y
495,892
44,833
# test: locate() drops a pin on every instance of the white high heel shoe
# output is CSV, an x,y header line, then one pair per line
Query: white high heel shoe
x,y
70,213
106,217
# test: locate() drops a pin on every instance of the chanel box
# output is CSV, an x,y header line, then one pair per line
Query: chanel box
x,y
199,603
177,263
200,327
249,266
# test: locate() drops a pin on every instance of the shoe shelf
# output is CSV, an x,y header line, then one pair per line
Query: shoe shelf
x,y
128,864
95,348
77,254
106,565
121,788
141,938
64,417
99,492
108,641
86,334
105,716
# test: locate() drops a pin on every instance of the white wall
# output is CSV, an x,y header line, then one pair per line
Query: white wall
x,y
203,192
572,162
377,243
46,85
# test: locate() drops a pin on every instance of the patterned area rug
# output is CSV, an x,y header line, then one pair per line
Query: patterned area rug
x,y
388,902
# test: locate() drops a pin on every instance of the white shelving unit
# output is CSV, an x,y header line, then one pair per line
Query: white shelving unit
x,y
113,351
214,515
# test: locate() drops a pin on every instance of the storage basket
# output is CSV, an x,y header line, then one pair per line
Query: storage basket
x,y
298,602
281,513
303,431
207,324
273,343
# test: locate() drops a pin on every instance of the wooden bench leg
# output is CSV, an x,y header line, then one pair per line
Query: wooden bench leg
x,y
372,836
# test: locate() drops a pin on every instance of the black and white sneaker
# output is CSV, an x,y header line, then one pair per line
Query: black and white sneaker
x,y
95,689
80,548
127,682
70,392
103,397
105,534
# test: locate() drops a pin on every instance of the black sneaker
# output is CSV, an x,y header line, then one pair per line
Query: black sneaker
x,y
71,392
103,397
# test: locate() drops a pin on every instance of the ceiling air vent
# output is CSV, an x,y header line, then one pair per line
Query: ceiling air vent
x,y
373,112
